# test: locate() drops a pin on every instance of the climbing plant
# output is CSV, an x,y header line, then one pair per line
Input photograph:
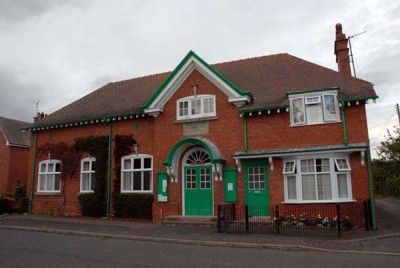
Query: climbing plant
x,y
123,146
93,204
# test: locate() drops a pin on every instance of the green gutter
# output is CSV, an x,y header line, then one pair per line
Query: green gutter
x,y
109,169
245,135
33,161
371,190
344,125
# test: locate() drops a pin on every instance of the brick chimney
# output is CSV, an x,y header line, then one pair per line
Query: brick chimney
x,y
342,51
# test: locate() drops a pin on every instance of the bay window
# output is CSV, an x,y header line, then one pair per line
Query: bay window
x,y
325,179
314,108
136,173
49,180
195,107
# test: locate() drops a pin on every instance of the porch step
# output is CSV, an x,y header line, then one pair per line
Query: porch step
x,y
179,220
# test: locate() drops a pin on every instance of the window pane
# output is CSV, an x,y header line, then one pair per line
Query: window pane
x,y
137,180
307,166
314,113
342,164
137,163
298,111
330,112
196,106
93,165
289,167
50,182
147,162
208,104
57,182
342,186
324,186
291,187
183,108
322,164
42,181
86,166
58,167
308,187
86,182
126,181
50,167
146,180
127,164
43,167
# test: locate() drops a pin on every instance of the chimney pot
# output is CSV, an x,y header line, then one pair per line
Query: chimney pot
x,y
342,51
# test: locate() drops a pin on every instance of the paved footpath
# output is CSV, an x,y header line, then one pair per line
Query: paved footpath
x,y
367,242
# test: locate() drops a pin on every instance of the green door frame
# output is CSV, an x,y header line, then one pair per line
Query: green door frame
x,y
198,190
256,163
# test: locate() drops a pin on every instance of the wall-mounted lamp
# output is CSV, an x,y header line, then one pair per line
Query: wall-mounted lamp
x,y
171,175
217,171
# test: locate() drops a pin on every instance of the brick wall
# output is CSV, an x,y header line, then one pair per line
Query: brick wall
x,y
4,163
156,136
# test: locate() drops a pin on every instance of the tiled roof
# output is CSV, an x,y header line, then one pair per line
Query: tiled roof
x,y
11,130
267,78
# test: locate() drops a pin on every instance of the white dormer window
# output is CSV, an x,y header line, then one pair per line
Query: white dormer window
x,y
314,108
195,107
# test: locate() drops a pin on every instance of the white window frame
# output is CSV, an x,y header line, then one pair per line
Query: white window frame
x,y
91,172
46,173
321,100
342,169
290,171
333,177
142,169
189,100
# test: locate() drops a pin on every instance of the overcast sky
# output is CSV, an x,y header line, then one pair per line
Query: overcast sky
x,y
58,51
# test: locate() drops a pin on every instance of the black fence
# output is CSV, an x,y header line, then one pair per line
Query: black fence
x,y
293,218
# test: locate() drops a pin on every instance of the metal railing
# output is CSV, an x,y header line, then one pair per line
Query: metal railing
x,y
295,218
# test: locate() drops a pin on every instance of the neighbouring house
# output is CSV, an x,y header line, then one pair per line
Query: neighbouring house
x,y
260,131
14,153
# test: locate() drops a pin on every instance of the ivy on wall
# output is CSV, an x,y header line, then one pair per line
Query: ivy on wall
x,y
93,204
123,146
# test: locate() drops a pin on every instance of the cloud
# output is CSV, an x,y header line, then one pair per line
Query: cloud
x,y
58,51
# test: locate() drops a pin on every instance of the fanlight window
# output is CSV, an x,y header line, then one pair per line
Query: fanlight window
x,y
198,157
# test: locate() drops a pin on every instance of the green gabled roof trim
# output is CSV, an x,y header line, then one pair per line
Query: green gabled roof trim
x,y
262,109
312,90
191,53
101,119
212,152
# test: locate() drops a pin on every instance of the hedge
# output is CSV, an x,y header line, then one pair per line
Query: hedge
x,y
6,205
91,205
136,206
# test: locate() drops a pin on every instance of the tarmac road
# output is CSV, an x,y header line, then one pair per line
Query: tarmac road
x,y
33,249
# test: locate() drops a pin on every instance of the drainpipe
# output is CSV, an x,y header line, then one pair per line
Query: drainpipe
x,y
371,190
344,126
245,134
33,161
109,126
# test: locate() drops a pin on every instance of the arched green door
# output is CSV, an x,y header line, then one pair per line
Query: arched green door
x,y
198,191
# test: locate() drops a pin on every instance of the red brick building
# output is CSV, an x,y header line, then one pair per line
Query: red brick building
x,y
14,153
260,131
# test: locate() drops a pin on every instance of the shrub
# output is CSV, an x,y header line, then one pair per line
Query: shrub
x,y
137,206
6,204
91,205
21,201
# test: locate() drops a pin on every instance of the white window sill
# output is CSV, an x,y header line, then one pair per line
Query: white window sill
x,y
86,192
316,124
137,192
196,119
320,202
48,193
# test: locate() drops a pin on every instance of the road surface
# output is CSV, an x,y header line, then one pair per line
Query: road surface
x,y
34,249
